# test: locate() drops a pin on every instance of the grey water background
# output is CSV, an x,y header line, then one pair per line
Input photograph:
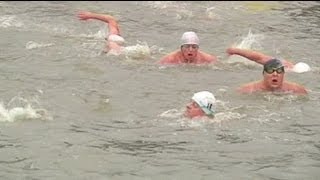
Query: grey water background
x,y
118,118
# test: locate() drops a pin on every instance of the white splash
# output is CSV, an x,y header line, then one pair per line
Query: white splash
x,y
249,42
180,8
161,4
138,51
227,116
218,120
171,113
211,13
21,110
101,34
20,113
224,114
8,21
34,45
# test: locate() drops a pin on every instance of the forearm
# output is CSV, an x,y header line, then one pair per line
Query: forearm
x,y
103,17
110,20
163,61
250,54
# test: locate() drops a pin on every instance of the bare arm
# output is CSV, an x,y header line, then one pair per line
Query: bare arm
x,y
250,87
166,60
208,58
250,54
302,91
110,20
171,58
256,56
296,88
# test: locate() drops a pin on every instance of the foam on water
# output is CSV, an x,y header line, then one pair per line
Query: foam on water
x,y
211,14
138,51
282,97
179,9
34,45
21,110
162,4
171,113
9,21
224,113
101,34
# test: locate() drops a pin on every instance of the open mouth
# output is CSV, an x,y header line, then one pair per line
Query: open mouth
x,y
274,80
189,54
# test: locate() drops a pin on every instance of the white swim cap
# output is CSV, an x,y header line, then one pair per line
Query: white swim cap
x,y
116,38
301,67
206,101
189,38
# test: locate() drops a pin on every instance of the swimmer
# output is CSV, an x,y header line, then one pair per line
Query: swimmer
x,y
273,80
202,105
188,53
263,59
114,40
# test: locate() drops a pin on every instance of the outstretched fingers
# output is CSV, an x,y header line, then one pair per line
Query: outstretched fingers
x,y
84,15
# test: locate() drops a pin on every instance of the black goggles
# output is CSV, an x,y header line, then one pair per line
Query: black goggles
x,y
270,70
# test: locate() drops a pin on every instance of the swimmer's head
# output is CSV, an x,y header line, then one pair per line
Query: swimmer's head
x,y
116,38
273,64
206,101
273,74
189,38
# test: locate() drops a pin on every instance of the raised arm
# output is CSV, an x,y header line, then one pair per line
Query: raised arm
x,y
250,54
110,20
256,56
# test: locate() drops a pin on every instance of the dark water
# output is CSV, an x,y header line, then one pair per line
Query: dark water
x,y
113,117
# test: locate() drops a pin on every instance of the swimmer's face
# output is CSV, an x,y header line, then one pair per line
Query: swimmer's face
x,y
189,51
193,110
273,79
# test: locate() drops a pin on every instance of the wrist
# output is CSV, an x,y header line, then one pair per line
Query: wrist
x,y
231,51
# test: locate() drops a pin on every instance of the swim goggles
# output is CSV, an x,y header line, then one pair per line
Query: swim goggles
x,y
187,46
270,70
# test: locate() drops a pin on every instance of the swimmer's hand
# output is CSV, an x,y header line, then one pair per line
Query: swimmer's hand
x,y
85,15
230,51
